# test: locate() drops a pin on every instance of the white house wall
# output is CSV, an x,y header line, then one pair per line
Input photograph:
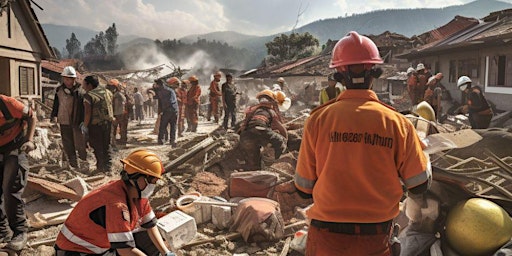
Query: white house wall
x,y
501,96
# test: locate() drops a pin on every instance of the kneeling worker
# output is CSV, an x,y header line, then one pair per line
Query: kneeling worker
x,y
104,221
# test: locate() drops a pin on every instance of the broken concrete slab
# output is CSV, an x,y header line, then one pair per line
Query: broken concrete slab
x,y
52,189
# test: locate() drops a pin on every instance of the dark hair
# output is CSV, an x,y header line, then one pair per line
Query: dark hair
x,y
229,75
92,80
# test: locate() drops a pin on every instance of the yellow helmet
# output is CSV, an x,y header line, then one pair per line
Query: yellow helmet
x,y
144,162
267,92
426,111
478,227
283,102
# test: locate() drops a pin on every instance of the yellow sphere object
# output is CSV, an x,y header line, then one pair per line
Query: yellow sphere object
x,y
426,111
478,227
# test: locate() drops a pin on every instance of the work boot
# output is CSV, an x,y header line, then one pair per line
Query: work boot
x,y
5,236
18,242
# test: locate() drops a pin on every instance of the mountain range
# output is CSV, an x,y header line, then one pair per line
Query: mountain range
x,y
407,22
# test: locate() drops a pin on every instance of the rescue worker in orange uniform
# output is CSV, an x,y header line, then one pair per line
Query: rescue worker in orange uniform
x,y
110,219
412,86
215,97
355,152
262,125
181,94
193,103
17,127
433,93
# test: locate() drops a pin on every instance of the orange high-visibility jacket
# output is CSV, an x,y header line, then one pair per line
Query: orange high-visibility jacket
x,y
353,155
102,221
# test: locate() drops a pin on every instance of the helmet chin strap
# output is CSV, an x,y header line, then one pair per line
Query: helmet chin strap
x,y
136,185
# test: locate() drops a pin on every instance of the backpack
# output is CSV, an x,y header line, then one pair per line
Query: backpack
x,y
104,112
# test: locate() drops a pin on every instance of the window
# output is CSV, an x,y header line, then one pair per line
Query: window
x,y
453,72
502,62
27,81
468,67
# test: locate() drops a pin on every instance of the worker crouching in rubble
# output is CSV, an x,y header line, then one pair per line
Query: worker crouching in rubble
x,y
259,129
355,153
106,221
480,112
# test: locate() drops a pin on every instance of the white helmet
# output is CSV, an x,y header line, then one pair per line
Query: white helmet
x,y
276,87
430,79
420,67
280,80
462,82
69,71
410,70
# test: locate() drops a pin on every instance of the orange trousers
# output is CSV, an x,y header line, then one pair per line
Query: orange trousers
x,y
321,242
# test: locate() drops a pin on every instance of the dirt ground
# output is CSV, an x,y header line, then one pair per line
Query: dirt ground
x,y
188,177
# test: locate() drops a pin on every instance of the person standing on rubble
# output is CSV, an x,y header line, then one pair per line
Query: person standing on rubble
x,y
215,96
229,93
331,91
167,109
181,94
415,92
139,104
97,123
422,74
433,93
480,111
193,103
68,111
110,219
17,126
262,126
120,113
353,169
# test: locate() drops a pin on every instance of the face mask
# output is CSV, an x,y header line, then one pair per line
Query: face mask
x,y
463,87
148,191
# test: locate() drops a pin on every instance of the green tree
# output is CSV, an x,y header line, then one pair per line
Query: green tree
x,y
111,39
291,47
73,46
97,46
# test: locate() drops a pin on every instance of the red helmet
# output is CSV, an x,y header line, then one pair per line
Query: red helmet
x,y
354,49
173,80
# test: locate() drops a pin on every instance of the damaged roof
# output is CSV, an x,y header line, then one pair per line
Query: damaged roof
x,y
495,29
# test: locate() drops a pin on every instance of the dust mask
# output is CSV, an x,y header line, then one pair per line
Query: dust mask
x,y
148,191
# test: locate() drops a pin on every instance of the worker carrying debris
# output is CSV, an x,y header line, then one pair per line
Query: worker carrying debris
x,y
106,221
480,112
17,127
433,93
262,126
355,153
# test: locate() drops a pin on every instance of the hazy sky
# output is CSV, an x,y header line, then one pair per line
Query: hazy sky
x,y
163,19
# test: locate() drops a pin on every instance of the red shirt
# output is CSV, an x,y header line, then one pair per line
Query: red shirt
x,y
18,111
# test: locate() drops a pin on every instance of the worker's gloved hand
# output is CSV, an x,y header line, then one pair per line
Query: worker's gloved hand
x,y
169,254
84,129
28,146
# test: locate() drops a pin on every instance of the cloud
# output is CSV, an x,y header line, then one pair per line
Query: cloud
x,y
137,17
168,19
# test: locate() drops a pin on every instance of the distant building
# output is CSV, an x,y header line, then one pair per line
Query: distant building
x,y
482,51
23,45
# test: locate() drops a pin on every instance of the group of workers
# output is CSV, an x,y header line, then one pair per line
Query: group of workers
x,y
423,86
355,171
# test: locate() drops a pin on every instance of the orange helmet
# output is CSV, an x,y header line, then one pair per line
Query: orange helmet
x,y
114,82
193,79
185,82
354,49
267,92
173,80
144,162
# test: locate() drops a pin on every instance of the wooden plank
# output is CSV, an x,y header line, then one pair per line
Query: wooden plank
x,y
52,189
